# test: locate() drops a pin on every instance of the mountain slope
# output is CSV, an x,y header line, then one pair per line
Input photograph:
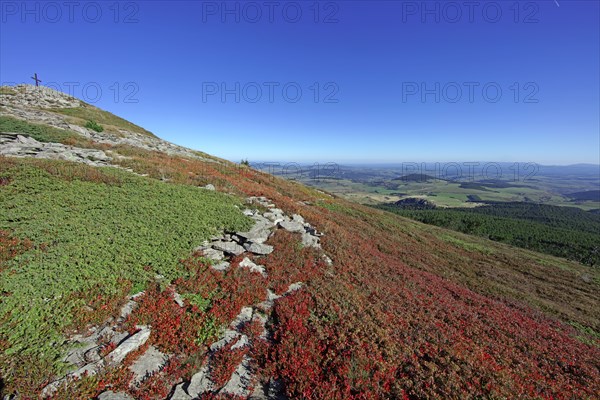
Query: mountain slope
x,y
403,310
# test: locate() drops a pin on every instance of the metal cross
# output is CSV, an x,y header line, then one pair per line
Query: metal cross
x,y
35,78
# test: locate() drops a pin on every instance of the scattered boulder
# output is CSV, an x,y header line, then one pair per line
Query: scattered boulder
x,y
240,380
147,364
127,309
309,240
258,248
259,235
228,247
200,383
178,299
110,395
227,337
132,343
247,263
214,254
292,226
294,286
222,266
242,318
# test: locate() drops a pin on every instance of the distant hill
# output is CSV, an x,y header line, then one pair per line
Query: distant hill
x,y
593,195
415,178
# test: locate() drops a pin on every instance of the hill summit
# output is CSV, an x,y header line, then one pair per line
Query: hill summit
x,y
133,268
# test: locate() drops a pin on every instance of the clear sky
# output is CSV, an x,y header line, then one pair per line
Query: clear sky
x,y
343,81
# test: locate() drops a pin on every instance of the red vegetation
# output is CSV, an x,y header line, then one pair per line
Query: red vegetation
x,y
224,363
400,314
385,322
11,247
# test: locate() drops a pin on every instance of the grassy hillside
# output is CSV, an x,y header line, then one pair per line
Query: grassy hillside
x,y
40,132
86,112
91,236
407,310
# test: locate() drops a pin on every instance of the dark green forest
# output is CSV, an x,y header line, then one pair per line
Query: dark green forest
x,y
561,231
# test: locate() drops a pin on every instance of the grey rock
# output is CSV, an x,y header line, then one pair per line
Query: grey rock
x,y
226,337
242,318
222,266
135,296
132,343
243,341
292,226
229,247
297,218
110,395
209,187
258,235
119,337
214,254
258,248
178,299
147,364
200,383
310,240
127,309
294,286
240,380
271,390
271,296
88,369
76,356
247,263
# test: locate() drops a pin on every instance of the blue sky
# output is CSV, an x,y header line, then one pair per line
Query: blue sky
x,y
380,81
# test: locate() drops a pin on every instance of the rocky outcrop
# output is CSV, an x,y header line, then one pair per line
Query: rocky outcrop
x,y
16,145
147,364
87,359
35,104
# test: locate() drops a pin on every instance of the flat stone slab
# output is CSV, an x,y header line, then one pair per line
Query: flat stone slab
x,y
110,395
240,380
310,241
127,309
242,318
292,226
258,248
178,299
247,263
227,337
200,383
147,364
132,343
229,247
222,266
258,235
214,254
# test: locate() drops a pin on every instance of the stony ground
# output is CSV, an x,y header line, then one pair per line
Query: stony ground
x,y
87,352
